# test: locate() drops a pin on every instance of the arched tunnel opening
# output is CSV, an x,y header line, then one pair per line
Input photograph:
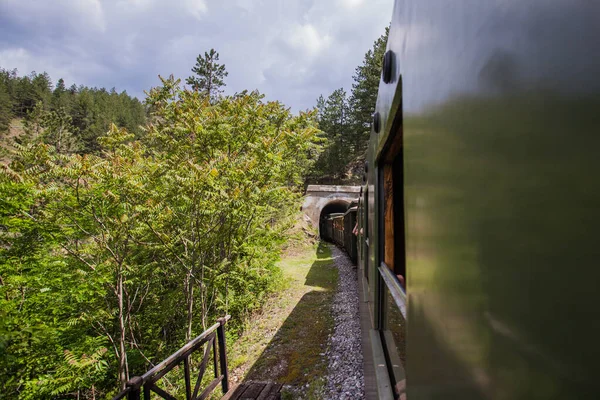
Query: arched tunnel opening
x,y
335,206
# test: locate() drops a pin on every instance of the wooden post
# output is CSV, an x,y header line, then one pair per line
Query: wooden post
x,y
135,384
215,359
188,383
223,355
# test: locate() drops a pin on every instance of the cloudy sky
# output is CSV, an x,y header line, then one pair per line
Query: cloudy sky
x,y
291,50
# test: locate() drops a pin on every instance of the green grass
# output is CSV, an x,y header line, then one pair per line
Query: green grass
x,y
286,342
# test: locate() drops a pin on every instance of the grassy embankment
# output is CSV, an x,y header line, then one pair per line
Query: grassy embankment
x,y
287,340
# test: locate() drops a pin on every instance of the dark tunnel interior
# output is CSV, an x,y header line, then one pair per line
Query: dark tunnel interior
x,y
336,206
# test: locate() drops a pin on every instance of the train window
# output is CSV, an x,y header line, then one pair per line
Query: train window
x,y
359,225
393,214
366,234
398,218
388,217
394,337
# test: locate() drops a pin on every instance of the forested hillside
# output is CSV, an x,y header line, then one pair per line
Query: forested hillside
x,y
123,236
126,228
72,119
345,119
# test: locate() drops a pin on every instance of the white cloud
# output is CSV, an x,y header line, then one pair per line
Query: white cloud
x,y
25,62
292,50
140,4
81,15
308,39
91,12
196,7
350,3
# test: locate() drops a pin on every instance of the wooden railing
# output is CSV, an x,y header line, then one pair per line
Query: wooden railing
x,y
214,338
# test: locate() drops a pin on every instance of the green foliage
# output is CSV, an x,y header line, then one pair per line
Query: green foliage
x,y
209,75
111,261
81,113
26,91
364,92
37,291
334,121
59,131
346,121
54,127
6,102
231,170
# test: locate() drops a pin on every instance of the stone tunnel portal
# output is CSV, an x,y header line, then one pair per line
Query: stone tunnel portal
x,y
321,200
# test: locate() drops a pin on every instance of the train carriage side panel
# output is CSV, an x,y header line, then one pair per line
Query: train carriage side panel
x,y
494,108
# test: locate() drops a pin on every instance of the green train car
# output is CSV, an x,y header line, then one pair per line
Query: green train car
x,y
480,212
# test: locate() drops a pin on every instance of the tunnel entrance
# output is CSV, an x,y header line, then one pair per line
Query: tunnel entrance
x,y
336,206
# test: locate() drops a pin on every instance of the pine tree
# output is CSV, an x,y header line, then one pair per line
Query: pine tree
x,y
335,117
5,105
209,75
60,98
32,123
320,107
23,95
334,122
364,93
70,118
42,86
60,86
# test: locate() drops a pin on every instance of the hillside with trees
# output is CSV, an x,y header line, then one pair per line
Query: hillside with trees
x,y
118,245
345,120
127,228
70,118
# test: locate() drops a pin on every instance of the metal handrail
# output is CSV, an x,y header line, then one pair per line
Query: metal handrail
x,y
147,381
396,290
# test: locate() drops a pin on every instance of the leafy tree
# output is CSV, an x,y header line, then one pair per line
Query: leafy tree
x,y
110,261
52,127
229,169
59,131
89,213
209,75
39,291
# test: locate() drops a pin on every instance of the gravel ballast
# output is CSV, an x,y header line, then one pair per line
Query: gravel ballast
x,y
345,378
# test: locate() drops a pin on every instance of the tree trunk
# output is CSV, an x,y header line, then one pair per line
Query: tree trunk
x,y
123,375
209,86
189,288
